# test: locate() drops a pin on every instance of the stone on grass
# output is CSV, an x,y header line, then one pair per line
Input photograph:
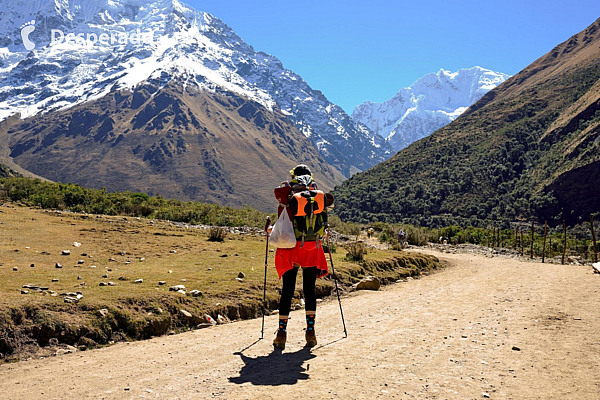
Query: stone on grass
x,y
103,312
242,275
32,265
209,319
80,262
139,281
176,288
196,293
66,252
221,320
112,284
24,291
15,268
161,283
239,280
54,280
103,284
105,276
369,283
186,314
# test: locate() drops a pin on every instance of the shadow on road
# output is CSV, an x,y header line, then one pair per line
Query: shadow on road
x,y
274,369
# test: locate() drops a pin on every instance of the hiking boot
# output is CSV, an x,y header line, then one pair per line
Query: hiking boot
x,y
279,340
311,338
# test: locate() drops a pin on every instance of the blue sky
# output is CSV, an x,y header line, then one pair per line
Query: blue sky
x,y
355,51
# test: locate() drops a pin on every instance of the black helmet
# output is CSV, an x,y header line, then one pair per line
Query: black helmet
x,y
300,170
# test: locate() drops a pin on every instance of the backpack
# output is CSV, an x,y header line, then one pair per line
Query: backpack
x,y
310,217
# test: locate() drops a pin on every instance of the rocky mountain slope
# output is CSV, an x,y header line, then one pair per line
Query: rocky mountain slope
x,y
162,44
429,104
176,141
529,148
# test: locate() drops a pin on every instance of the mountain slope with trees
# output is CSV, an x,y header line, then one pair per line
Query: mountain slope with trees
x,y
528,149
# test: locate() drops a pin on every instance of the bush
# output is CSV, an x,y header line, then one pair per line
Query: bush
x,y
217,234
356,251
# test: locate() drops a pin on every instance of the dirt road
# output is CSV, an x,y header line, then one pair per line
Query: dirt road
x,y
484,327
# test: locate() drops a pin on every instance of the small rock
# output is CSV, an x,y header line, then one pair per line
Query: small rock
x,y
139,281
223,255
58,265
186,314
209,319
93,266
24,291
103,312
182,292
84,255
184,280
32,265
79,278
142,259
162,283
239,280
80,262
122,278
515,348
71,299
173,251
66,252
486,395
105,276
103,284
271,251
242,275
204,325
369,283
15,268
196,293
76,244
112,284
221,320
54,280
176,288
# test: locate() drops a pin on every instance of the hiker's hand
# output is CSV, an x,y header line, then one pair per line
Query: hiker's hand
x,y
326,235
269,229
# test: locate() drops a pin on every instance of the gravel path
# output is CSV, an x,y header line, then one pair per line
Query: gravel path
x,y
484,327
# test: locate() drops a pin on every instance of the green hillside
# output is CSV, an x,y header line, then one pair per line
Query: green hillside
x,y
528,149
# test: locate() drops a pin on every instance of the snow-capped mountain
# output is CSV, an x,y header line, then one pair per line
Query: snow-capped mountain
x,y
109,45
427,105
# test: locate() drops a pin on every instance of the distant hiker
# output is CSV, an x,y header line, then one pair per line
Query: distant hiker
x,y
307,208
401,238
370,232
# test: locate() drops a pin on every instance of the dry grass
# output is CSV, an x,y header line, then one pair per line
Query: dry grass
x,y
127,249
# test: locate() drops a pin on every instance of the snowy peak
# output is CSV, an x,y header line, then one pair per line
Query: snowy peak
x,y
109,45
427,105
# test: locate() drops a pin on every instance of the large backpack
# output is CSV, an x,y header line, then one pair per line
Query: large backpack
x,y
310,218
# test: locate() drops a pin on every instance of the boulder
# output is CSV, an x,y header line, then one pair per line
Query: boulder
x,y
242,275
176,288
369,283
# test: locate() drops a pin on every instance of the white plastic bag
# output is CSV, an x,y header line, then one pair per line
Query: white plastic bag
x,y
282,236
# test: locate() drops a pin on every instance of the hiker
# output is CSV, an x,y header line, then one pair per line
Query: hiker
x,y
295,198
370,232
401,238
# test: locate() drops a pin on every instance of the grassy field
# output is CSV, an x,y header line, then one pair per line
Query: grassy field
x,y
123,250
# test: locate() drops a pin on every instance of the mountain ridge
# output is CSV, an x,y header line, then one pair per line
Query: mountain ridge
x,y
526,149
193,44
427,105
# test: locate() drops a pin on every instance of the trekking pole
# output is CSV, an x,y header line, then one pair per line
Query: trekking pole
x,y
337,290
262,331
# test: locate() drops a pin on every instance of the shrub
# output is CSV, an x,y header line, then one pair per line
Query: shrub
x,y
217,234
356,251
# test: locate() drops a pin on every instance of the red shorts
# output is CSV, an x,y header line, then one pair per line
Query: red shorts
x,y
306,256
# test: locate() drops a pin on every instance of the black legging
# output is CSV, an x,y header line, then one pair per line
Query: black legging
x,y
309,278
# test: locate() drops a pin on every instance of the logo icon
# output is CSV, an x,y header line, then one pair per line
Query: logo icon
x,y
26,30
